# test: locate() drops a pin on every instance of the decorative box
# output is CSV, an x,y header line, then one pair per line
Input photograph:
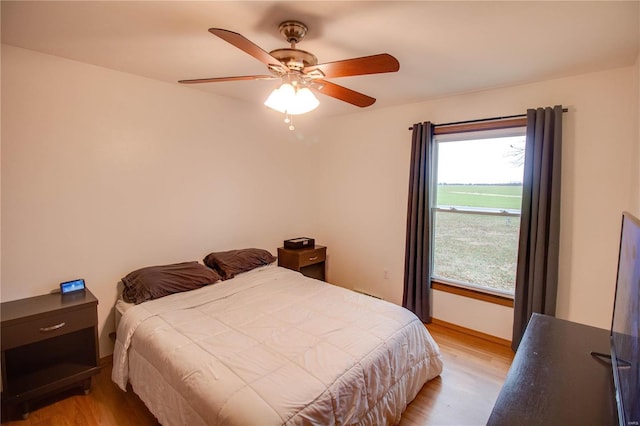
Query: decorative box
x,y
299,243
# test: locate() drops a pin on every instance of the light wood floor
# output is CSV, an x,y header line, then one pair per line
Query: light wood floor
x,y
464,394
474,370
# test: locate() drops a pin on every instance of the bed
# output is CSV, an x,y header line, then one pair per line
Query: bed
x,y
269,347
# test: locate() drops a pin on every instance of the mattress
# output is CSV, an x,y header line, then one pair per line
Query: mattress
x,y
120,308
273,347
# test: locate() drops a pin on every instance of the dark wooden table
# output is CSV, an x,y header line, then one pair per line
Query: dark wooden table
x,y
554,379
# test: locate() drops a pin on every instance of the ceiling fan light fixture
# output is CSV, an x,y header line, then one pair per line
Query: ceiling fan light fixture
x,y
292,101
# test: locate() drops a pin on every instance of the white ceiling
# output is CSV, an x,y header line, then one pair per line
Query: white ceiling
x,y
443,47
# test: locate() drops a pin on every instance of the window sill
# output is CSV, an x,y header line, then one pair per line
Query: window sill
x,y
473,294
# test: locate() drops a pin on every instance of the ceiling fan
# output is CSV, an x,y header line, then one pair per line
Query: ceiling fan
x,y
300,69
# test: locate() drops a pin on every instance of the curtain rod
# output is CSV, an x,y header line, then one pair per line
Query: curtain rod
x,y
479,120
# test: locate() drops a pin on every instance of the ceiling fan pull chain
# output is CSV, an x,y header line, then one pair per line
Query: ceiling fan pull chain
x,y
289,120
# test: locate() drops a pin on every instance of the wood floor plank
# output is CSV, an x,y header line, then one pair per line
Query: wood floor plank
x,y
474,370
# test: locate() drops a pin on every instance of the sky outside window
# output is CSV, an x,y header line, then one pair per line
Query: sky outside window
x,y
481,161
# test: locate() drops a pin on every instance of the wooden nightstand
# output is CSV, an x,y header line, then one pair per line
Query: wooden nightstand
x,y
49,343
311,262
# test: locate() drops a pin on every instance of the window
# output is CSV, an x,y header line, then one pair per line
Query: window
x,y
476,202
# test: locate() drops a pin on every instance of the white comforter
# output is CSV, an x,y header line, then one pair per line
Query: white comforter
x,y
273,347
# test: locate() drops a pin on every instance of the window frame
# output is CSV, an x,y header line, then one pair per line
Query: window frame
x,y
450,286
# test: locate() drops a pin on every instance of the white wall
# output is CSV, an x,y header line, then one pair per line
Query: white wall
x,y
362,191
105,172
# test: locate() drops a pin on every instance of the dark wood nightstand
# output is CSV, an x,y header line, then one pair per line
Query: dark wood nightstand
x,y
49,344
311,262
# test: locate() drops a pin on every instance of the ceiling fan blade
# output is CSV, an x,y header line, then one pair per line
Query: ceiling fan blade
x,y
218,79
357,66
249,47
342,93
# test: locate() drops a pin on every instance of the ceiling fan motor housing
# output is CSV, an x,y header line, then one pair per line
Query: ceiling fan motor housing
x,y
294,59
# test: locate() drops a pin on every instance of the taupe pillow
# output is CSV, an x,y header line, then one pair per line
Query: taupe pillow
x,y
232,262
154,282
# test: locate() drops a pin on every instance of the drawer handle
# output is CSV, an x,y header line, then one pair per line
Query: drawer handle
x,y
313,258
53,327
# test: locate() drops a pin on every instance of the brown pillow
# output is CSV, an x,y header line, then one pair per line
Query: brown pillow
x,y
154,282
230,263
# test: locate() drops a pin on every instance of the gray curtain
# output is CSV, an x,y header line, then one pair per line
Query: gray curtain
x,y
417,265
537,269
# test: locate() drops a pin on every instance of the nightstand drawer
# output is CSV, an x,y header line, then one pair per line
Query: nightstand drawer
x,y
312,256
45,327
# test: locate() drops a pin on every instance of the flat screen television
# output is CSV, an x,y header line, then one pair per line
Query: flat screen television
x,y
625,325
